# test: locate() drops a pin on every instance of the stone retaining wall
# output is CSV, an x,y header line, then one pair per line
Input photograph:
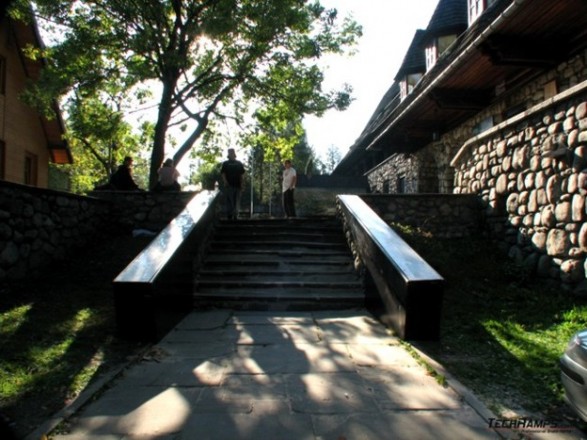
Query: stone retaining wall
x,y
531,173
143,209
39,226
444,215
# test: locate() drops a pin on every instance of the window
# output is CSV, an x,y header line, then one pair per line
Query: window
x,y
409,83
550,89
400,187
437,48
513,111
2,160
444,42
484,125
476,8
30,169
431,56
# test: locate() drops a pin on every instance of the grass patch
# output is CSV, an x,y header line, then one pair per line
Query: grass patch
x,y
503,330
57,332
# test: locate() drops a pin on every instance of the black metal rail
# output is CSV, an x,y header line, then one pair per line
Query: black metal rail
x,y
408,291
156,289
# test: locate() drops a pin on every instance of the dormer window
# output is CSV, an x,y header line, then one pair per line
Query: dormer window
x,y
431,56
476,8
437,48
408,84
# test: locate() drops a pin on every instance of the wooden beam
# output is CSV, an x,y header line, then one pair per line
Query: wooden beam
x,y
461,99
511,50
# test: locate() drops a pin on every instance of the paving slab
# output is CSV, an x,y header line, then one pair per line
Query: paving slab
x,y
277,375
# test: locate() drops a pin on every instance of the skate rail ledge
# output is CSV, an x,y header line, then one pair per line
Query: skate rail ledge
x,y
402,288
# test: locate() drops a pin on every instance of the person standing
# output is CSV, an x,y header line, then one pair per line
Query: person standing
x,y
288,186
233,173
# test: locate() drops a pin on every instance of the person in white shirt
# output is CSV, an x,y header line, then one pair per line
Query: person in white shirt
x,y
288,186
168,176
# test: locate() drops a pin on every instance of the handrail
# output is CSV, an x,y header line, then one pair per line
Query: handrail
x,y
156,288
148,264
408,290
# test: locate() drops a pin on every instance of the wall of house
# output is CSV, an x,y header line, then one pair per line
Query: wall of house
x,y
531,173
529,170
429,170
39,226
397,174
419,172
21,128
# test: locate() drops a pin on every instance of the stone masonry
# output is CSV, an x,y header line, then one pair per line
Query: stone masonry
x,y
39,226
531,173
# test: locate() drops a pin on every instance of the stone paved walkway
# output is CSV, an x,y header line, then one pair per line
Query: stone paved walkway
x,y
265,375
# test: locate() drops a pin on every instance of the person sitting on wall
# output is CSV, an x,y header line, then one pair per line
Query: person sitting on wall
x,y
122,179
168,176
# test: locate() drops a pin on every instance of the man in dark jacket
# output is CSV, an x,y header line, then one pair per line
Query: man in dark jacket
x,y
233,173
122,179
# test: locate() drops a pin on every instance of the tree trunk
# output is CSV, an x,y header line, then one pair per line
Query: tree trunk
x,y
158,153
190,141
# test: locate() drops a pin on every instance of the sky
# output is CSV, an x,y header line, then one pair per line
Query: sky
x,y
388,29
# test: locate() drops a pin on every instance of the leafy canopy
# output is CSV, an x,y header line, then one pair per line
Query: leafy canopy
x,y
210,59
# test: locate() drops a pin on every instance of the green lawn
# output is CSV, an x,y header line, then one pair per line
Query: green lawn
x,y
57,332
502,330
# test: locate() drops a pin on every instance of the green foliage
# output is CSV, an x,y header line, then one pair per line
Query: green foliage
x,y
496,319
333,157
208,175
217,60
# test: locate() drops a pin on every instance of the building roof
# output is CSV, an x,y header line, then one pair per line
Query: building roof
x,y
449,17
508,45
415,59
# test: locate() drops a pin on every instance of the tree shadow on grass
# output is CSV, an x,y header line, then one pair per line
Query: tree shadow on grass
x,y
60,332
502,330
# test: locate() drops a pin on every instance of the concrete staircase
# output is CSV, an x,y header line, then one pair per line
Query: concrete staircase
x,y
296,264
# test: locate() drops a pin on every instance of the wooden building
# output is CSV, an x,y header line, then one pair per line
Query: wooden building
x,y
28,140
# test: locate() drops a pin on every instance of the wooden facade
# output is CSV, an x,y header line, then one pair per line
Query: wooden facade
x,y
28,140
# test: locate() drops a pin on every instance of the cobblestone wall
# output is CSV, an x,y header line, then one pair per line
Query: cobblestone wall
x,y
444,215
143,209
38,226
398,174
531,173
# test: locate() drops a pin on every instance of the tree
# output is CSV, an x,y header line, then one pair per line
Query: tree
x,y
333,157
211,59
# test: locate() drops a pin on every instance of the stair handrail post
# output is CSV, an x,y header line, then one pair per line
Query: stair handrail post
x,y
252,184
270,189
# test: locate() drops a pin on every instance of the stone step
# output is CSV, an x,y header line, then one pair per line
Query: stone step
x,y
274,283
280,299
279,236
278,272
230,253
299,264
262,262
